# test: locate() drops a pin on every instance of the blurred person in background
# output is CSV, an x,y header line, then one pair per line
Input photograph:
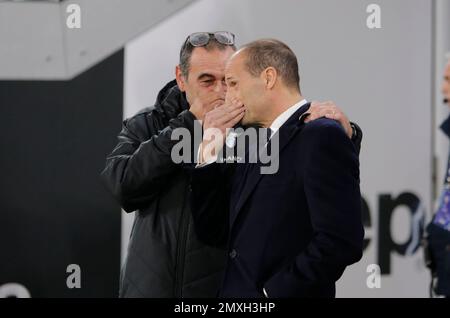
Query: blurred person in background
x,y
438,230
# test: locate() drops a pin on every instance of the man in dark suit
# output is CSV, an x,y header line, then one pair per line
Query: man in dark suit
x,y
290,233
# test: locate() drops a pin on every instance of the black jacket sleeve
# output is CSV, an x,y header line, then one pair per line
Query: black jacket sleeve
x,y
210,202
140,165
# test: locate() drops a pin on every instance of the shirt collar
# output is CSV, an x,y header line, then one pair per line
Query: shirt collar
x,y
284,116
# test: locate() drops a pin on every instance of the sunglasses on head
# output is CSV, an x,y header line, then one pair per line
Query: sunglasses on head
x,y
202,38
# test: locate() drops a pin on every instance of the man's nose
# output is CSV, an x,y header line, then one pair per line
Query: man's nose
x,y
220,87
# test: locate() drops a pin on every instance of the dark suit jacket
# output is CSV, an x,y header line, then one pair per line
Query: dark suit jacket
x,y
293,232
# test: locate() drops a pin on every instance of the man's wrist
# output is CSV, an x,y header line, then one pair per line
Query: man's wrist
x,y
204,160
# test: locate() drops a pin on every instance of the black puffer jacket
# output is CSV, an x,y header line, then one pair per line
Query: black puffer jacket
x,y
165,258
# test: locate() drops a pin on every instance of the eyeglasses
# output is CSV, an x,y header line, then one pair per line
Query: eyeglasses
x,y
202,38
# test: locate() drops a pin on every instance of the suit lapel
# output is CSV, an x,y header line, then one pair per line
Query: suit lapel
x,y
285,134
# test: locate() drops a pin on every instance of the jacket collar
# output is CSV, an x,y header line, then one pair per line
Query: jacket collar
x,y
285,134
171,101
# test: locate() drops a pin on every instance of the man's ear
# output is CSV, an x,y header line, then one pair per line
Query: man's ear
x,y
180,78
270,77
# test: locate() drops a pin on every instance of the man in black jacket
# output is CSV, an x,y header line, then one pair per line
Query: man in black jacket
x,y
165,257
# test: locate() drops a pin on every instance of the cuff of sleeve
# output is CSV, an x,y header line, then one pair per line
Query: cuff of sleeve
x,y
208,161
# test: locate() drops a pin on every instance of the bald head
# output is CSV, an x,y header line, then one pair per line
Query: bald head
x,y
261,54
263,75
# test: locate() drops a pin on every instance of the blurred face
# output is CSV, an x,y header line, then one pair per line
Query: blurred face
x,y
206,79
446,83
250,90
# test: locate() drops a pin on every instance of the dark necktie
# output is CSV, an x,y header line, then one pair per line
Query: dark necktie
x,y
252,157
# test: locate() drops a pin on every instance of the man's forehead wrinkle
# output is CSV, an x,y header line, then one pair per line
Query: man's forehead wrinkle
x,y
210,67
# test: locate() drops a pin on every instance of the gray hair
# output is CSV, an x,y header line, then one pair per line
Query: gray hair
x,y
187,48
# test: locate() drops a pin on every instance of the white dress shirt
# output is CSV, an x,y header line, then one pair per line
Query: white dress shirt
x,y
284,116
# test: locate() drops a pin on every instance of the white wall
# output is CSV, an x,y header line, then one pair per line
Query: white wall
x,y
37,44
381,78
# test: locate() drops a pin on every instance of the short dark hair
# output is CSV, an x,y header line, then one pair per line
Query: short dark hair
x,y
265,53
187,48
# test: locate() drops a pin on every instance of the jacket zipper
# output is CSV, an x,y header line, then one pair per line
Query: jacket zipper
x,y
181,251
